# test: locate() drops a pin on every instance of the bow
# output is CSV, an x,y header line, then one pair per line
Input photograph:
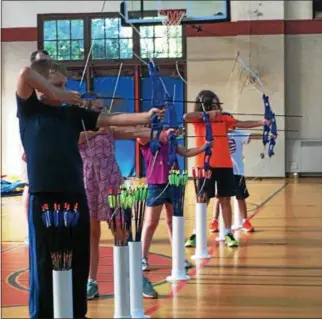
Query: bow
x,y
269,131
157,101
208,151
161,99
209,138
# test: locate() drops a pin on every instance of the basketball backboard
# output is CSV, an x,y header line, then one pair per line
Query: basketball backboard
x,y
140,12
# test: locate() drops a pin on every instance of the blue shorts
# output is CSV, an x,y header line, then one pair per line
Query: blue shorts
x,y
157,195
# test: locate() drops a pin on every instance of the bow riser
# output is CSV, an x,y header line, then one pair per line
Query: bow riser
x,y
269,132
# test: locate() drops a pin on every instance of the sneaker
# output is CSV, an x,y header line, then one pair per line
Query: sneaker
x,y
26,240
145,264
191,242
148,290
247,226
213,227
231,241
92,290
187,264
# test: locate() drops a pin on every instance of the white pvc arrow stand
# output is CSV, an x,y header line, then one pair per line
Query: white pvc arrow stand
x,y
238,221
136,280
63,293
221,235
201,232
121,282
178,268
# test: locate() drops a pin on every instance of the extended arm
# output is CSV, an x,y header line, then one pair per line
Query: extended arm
x,y
190,152
249,124
128,133
106,119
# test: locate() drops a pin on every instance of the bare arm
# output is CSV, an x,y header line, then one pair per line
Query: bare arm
x,y
30,80
249,124
106,119
193,117
190,152
127,133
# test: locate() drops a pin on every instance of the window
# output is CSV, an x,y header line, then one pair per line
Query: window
x,y
161,41
317,8
70,38
110,40
64,39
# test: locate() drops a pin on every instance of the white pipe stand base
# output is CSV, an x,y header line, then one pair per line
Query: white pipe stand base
x,y
178,277
238,221
221,236
201,232
136,280
178,269
121,282
63,293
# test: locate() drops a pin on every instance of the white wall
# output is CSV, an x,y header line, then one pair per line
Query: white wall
x,y
15,55
24,13
303,65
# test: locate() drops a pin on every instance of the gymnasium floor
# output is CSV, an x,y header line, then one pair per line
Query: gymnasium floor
x,y
276,273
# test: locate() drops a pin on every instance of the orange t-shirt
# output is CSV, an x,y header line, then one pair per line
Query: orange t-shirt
x,y
220,151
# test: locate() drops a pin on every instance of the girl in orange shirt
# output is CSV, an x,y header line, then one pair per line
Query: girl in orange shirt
x,y
222,183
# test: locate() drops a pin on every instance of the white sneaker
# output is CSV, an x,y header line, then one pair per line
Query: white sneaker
x,y
26,240
145,264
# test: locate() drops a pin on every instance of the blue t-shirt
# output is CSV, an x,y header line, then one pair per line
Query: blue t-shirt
x,y
50,136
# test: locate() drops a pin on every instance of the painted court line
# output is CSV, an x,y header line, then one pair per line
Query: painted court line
x,y
175,291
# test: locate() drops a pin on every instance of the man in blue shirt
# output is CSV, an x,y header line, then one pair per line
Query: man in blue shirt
x,y
49,134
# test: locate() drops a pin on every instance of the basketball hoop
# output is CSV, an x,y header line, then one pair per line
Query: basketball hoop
x,y
172,16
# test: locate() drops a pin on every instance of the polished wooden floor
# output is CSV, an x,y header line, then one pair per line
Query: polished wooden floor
x,y
276,272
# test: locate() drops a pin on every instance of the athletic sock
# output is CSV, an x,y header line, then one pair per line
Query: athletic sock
x,y
227,231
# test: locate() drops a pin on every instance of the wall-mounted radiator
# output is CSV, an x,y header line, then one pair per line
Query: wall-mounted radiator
x,y
304,156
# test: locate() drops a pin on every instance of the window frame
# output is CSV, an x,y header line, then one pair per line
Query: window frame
x,y
87,17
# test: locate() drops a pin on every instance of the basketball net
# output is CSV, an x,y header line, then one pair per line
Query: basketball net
x,y
172,17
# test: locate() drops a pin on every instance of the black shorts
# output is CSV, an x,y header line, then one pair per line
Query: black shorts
x,y
241,188
222,183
